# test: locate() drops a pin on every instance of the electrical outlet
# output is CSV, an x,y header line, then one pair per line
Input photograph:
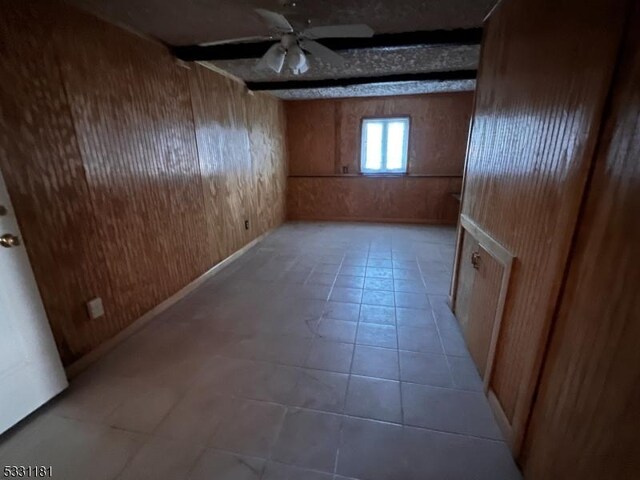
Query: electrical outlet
x,y
246,224
95,309
345,169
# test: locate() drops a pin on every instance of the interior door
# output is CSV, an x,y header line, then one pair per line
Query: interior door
x,y
483,305
466,277
484,269
30,369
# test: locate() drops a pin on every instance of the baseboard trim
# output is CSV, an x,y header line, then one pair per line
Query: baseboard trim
x,y
415,221
101,350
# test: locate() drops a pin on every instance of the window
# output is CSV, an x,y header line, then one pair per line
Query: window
x,y
385,143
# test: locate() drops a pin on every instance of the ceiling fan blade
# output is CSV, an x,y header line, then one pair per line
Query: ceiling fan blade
x,y
323,53
235,40
273,59
275,20
339,31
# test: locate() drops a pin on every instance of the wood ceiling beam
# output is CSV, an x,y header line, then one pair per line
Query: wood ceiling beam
x,y
235,51
346,82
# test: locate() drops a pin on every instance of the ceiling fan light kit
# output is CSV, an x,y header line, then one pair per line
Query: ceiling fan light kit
x,y
293,44
297,60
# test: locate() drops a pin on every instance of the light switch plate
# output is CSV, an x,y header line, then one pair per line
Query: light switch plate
x,y
95,308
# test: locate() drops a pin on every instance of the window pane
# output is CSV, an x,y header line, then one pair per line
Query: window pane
x,y
373,160
395,145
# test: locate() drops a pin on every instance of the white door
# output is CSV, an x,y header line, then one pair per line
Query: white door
x,y
30,369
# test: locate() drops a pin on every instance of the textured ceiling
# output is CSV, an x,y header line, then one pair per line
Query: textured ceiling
x,y
376,90
364,63
189,22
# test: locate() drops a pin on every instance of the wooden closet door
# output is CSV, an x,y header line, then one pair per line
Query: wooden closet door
x,y
484,271
482,307
466,277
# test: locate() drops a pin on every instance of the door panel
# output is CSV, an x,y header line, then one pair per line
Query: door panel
x,y
482,308
481,293
30,369
466,277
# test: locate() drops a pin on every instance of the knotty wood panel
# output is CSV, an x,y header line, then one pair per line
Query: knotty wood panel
x,y
311,136
401,199
116,166
545,70
585,421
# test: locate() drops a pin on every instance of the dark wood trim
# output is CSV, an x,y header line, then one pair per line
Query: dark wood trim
x,y
234,51
345,82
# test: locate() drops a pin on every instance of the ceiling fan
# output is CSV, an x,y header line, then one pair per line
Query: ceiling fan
x,y
294,45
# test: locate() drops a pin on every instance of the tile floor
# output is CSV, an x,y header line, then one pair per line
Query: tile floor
x,y
326,352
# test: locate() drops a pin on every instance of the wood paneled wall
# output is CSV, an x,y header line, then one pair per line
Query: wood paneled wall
x,y
586,418
130,175
545,70
361,198
324,138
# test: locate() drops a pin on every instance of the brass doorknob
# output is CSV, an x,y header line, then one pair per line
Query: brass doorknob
x,y
475,260
7,240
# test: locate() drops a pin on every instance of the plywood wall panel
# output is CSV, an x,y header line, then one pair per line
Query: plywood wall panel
x,y
324,137
132,114
438,131
585,421
241,142
267,139
312,126
130,175
545,71
225,159
42,165
402,199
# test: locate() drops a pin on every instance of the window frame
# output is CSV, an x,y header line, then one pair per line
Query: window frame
x,y
385,121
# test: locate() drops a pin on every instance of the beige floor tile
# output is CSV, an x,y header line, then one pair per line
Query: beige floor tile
x,y
280,471
319,390
425,368
330,355
309,439
380,451
375,362
161,459
250,374
377,335
337,330
213,465
424,338
374,398
74,449
249,428
448,410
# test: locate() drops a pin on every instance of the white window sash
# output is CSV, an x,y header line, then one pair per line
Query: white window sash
x,y
384,143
